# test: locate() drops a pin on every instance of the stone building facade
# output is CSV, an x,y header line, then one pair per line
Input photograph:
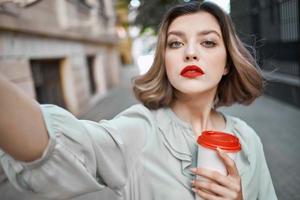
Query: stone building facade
x,y
60,51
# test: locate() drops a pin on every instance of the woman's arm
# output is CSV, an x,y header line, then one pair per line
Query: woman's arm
x,y
23,134
81,156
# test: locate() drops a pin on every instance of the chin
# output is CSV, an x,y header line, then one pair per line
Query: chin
x,y
196,92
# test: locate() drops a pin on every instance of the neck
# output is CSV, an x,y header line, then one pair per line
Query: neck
x,y
197,110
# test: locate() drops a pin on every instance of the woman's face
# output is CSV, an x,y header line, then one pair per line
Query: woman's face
x,y
195,57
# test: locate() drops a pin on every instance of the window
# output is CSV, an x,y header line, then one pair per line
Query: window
x,y
47,81
91,76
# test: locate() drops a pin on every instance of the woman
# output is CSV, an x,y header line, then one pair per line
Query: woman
x,y
149,150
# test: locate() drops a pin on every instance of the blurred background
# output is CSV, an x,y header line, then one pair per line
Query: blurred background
x,y
82,54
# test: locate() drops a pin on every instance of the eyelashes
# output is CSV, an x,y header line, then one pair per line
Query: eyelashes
x,y
177,44
209,44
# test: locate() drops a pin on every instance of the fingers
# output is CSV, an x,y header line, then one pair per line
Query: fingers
x,y
206,195
216,177
228,162
212,188
218,186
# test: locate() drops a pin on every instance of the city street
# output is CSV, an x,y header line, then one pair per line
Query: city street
x,y
276,123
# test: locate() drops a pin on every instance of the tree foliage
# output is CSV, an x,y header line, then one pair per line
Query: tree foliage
x,y
150,13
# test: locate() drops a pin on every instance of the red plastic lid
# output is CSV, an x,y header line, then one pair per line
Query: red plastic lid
x,y
214,139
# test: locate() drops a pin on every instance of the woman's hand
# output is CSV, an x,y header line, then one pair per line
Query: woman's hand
x,y
219,187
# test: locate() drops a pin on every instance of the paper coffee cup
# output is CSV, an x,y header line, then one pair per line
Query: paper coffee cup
x,y
208,142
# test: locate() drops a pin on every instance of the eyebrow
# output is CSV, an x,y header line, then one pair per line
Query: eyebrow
x,y
182,34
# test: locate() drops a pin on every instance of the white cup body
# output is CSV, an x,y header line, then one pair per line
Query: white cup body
x,y
208,158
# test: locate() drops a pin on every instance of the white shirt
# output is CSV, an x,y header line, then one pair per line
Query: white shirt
x,y
141,154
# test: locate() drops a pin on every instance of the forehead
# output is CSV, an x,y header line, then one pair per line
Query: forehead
x,y
197,22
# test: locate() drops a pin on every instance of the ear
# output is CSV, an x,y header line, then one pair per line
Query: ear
x,y
226,70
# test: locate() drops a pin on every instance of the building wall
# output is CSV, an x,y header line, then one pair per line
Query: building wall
x,y
273,27
64,30
17,70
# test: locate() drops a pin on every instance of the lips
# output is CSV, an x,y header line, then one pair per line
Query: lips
x,y
191,71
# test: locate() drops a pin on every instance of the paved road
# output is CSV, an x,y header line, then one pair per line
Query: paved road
x,y
277,124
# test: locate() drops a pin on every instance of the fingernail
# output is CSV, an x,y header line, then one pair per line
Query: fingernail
x,y
194,170
220,150
192,182
194,190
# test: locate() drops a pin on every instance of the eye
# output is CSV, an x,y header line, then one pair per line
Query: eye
x,y
208,44
175,44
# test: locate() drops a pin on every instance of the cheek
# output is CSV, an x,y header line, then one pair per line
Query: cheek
x,y
170,63
220,62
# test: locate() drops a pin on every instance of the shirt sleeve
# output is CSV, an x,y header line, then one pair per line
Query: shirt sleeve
x,y
81,156
266,190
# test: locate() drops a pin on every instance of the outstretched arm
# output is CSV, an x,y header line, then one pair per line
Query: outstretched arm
x,y
23,134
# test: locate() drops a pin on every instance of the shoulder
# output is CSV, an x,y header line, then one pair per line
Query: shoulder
x,y
248,137
137,117
135,109
136,112
251,155
242,128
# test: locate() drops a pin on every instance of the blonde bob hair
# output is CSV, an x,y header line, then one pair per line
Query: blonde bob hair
x,y
243,84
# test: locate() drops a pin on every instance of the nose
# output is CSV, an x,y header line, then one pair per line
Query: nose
x,y
191,54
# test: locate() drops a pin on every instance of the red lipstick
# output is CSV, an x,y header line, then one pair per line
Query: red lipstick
x,y
191,71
